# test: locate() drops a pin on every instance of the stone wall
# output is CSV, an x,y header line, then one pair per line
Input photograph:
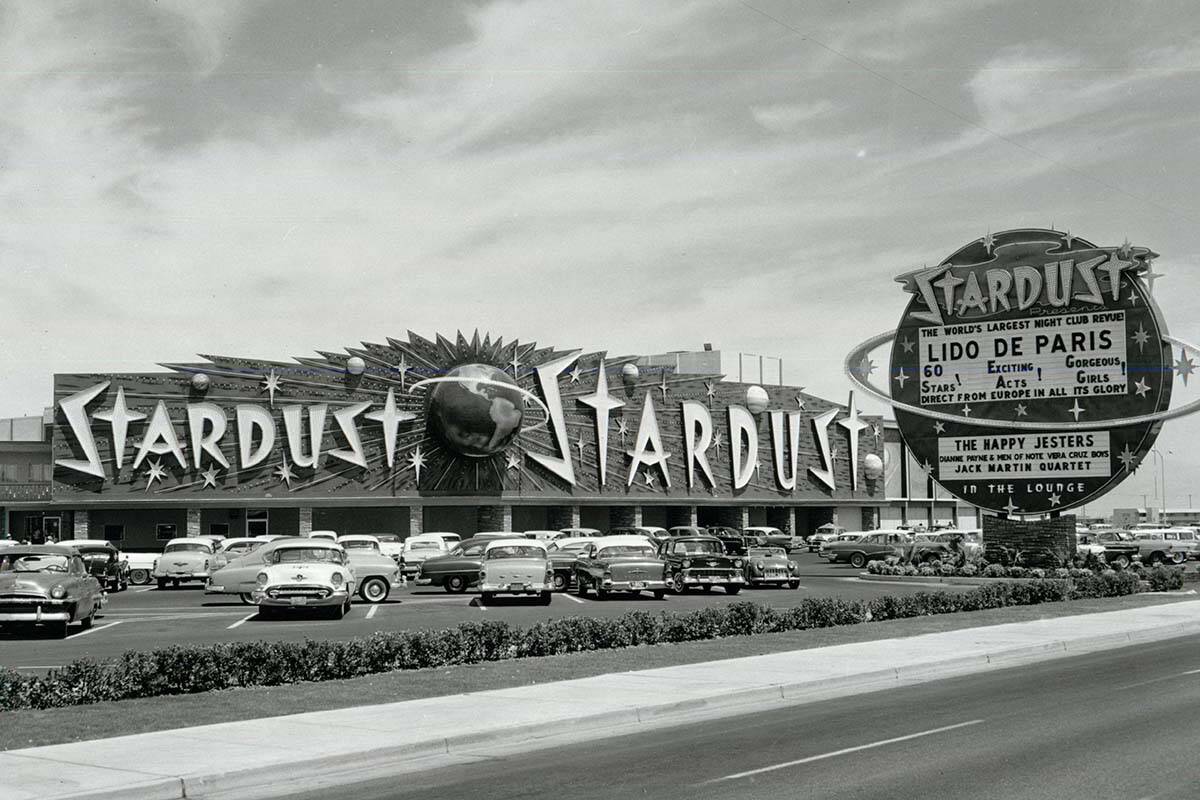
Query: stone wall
x,y
1046,542
495,518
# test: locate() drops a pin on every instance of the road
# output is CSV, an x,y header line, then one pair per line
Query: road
x,y
147,617
1119,724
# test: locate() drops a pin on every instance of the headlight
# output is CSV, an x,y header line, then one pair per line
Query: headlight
x,y
482,574
262,579
58,592
687,562
738,563
337,580
758,566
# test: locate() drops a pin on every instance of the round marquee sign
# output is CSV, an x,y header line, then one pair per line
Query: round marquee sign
x,y
1021,360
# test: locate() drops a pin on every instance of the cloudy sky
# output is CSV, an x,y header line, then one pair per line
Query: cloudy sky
x,y
272,178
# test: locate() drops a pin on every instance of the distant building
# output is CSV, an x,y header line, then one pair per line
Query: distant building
x,y
1128,517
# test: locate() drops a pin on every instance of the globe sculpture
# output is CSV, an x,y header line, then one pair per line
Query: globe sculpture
x,y
477,410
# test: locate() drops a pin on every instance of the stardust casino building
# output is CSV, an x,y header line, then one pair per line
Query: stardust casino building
x,y
462,435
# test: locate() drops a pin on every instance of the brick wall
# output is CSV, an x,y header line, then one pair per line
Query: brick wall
x,y
1054,538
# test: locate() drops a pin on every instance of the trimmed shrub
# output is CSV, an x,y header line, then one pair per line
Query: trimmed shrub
x,y
1164,579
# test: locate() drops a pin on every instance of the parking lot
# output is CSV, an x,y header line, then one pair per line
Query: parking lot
x,y
145,617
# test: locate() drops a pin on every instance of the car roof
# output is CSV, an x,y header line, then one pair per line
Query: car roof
x,y
762,528
358,537
590,531
191,540
89,543
514,542
566,540
45,549
605,541
695,539
308,544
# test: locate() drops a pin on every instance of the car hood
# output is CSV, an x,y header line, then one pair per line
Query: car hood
x,y
30,582
769,561
304,573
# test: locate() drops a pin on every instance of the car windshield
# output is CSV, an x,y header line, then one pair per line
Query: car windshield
x,y
34,562
188,547
360,545
571,547
387,537
515,551
767,552
625,550
697,547
243,547
424,546
296,555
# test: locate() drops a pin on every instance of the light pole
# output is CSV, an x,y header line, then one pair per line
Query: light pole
x,y
1162,462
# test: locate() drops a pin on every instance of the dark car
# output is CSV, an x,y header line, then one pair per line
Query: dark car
x,y
620,564
700,561
47,585
105,564
562,554
457,570
732,538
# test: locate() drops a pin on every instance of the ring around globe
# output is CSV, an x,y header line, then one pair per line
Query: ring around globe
x,y
476,410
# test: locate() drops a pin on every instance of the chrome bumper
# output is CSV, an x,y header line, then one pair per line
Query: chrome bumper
x,y
627,586
693,580
529,588
337,598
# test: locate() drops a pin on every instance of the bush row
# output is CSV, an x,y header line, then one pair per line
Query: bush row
x,y
1159,578
200,668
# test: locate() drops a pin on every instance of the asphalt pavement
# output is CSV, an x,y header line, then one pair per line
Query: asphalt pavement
x,y
145,617
1116,724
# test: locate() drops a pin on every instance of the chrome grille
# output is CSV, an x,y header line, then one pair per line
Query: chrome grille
x,y
298,590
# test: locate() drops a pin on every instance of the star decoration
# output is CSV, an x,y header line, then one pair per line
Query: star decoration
x,y
1070,240
119,417
757,469
1184,366
901,378
833,454
710,390
1141,337
1075,410
284,472
1055,499
210,477
649,479
928,469
907,344
1125,251
1127,459
417,461
1141,388
876,432
271,385
1133,298
515,364
799,402
854,425
866,367
622,429
989,242
156,472
579,443
1151,276
1011,507
939,427
1022,411
966,411
603,403
390,419
403,369
575,373
662,387
512,462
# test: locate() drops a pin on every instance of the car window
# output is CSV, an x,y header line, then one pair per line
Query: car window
x,y
188,547
296,555
473,550
365,545
625,550
515,551
34,562
691,548
423,546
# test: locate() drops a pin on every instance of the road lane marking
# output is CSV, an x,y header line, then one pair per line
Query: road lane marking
x,y
41,666
842,752
242,621
371,611
1159,680
570,596
95,628
148,588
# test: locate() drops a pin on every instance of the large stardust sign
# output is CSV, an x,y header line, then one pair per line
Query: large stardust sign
x,y
1014,335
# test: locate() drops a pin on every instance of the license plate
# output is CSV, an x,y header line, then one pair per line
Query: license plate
x,y
705,579
299,601
516,586
637,585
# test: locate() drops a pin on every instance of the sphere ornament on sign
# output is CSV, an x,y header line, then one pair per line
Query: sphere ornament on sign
x,y
873,467
200,382
355,365
757,399
1031,370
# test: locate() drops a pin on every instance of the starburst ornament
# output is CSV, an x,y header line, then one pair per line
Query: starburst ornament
x,y
662,387
1075,410
119,418
1140,336
575,373
1127,459
622,429
210,478
649,479
284,473
156,472
512,462
271,384
901,377
417,462
1184,366
403,369
390,418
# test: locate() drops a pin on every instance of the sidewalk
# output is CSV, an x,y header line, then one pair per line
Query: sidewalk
x,y
279,755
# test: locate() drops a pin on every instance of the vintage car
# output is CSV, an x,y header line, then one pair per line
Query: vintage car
x,y
104,561
770,566
874,545
575,533
686,530
47,585
417,549
1182,543
540,535
239,577
653,532
183,561
516,566
375,573
734,540
234,547
457,570
700,561
767,536
305,573
563,553
825,533
329,536
970,541
620,564
451,539
1123,547
391,545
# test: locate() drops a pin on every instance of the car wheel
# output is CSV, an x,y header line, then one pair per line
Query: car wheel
x,y
858,560
545,598
89,620
162,584
793,584
246,598
560,582
732,589
123,586
268,612
374,590
456,584
660,594
139,577
1178,558
1120,562
337,612
174,584
1156,558
677,584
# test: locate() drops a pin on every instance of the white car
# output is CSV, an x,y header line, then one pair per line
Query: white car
x,y
417,549
516,566
305,573
330,536
390,544
184,560
542,536
231,548
452,540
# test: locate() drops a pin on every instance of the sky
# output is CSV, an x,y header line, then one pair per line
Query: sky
x,y
266,179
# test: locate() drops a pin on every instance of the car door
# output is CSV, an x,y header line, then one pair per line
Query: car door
x,y
83,586
240,576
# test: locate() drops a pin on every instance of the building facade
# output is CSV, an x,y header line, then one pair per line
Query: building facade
x,y
463,435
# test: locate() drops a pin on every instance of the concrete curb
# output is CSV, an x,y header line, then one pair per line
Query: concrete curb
x,y
311,772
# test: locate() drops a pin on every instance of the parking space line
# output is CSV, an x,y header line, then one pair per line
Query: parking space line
x,y
842,752
242,620
148,588
570,596
40,666
371,612
95,628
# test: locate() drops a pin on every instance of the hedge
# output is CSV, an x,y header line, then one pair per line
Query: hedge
x,y
201,668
